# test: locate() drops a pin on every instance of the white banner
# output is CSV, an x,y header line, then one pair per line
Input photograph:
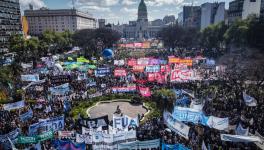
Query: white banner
x,y
259,144
239,138
241,131
80,138
30,77
218,123
16,105
119,62
97,94
151,144
124,122
66,134
176,126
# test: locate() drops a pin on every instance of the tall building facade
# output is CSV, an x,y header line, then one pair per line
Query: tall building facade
x,y
235,10
251,7
9,22
58,20
212,13
192,16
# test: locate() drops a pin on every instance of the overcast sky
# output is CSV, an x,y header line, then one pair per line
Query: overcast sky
x,y
119,10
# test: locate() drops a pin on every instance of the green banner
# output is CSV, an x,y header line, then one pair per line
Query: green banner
x,y
35,139
82,59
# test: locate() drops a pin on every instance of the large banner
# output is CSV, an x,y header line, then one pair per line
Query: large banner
x,y
138,68
111,141
187,61
151,144
100,72
145,92
35,139
120,73
158,77
29,77
155,68
95,123
189,115
54,124
119,62
127,89
124,122
218,123
240,138
60,90
181,75
25,116
11,135
176,126
68,145
97,94
16,105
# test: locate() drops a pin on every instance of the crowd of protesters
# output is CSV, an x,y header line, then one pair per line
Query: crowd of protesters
x,y
219,100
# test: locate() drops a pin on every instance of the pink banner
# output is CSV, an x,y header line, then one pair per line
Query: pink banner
x,y
138,45
160,78
145,92
151,77
181,75
120,73
165,68
132,62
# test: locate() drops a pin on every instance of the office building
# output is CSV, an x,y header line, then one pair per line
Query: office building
x,y
192,16
9,22
58,20
251,7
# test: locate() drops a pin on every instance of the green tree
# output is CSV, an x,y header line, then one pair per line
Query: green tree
x,y
165,99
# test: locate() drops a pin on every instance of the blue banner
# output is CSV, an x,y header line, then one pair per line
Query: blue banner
x,y
102,72
24,117
155,68
174,147
189,115
55,124
66,106
30,77
60,90
184,101
68,145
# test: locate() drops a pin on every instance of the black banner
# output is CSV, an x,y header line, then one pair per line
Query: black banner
x,y
95,123
61,79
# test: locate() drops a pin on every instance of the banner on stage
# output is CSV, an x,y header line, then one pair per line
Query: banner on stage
x,y
127,89
176,126
95,123
124,122
15,105
155,68
150,144
30,78
54,124
24,117
119,62
120,73
145,92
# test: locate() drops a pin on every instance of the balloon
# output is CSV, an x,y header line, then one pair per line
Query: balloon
x,y
108,54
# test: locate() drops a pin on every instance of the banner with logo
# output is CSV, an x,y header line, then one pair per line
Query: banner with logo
x,y
176,126
30,77
24,117
68,145
66,135
35,139
150,144
240,138
145,92
250,101
101,72
60,90
155,68
54,124
181,75
119,62
186,61
95,123
174,147
11,135
120,73
138,68
127,89
124,122
111,141
15,105
189,115
218,123
132,62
